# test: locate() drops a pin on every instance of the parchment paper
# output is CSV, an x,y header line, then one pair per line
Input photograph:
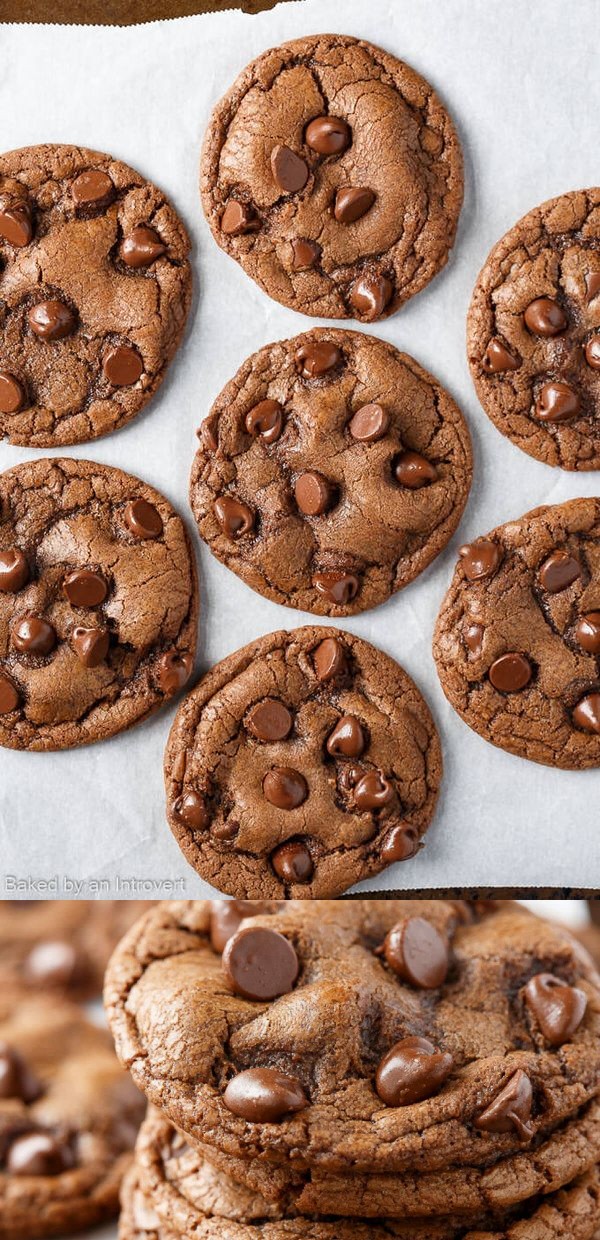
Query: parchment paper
x,y
522,83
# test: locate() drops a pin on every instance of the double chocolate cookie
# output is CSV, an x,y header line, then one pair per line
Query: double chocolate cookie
x,y
331,471
373,1059
173,1192
68,1121
98,603
517,641
62,945
301,764
95,287
534,332
333,174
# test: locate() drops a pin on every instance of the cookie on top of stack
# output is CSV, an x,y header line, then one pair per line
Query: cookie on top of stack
x,y
419,1069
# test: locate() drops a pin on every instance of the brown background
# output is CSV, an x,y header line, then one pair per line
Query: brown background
x,y
118,12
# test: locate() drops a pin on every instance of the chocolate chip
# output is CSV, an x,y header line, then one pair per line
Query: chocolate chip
x,y
498,358
592,284
473,635
15,224
327,135
12,395
289,171
480,559
51,320
293,863
208,433
417,952
544,317
260,964
270,720
191,809
33,635
370,295
173,670
122,365
52,963
329,659
237,218
225,831
14,571
347,740
226,917
369,423
85,588
90,645
592,351
559,571
317,358
557,402
558,1009
91,188
143,519
338,588
511,1110
587,632
234,517
510,673
587,713
264,1095
314,493
16,1079
352,203
399,844
141,247
372,792
411,1071
285,788
304,254
39,1153
413,471
9,695
265,420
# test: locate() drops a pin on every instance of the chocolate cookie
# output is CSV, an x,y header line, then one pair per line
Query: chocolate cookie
x,y
68,1121
62,945
172,1191
534,332
517,641
362,1038
301,764
331,471
98,603
95,287
333,174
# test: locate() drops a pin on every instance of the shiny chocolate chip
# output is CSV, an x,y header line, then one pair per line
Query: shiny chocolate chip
x,y
260,964
414,1069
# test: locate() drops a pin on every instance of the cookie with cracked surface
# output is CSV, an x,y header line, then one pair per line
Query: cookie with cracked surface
x,y
333,174
68,1121
301,764
533,333
98,603
517,640
188,1193
62,946
95,287
412,1037
331,471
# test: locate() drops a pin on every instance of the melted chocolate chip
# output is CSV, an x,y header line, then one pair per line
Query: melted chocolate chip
x,y
90,645
592,284
143,519
340,588
329,659
587,632
51,320
314,493
352,203
226,917
510,673
122,365
92,188
52,963
265,420
260,964
558,1009
33,635
39,1153
173,670
317,358
16,1079
84,587
559,571
592,351
544,317
15,224
12,394
285,788
413,471
234,517
14,571
238,218
473,635
264,1095
557,402
587,713
270,720
417,952
141,247
327,135
289,171
304,254
511,1110
292,862
498,358
369,423
191,809
347,740
480,559
399,844
372,792
10,697
370,295
411,1071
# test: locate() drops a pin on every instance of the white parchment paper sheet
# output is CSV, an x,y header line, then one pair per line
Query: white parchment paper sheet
x,y
522,83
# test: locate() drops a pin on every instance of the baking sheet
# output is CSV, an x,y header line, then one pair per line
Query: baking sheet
x,y
522,84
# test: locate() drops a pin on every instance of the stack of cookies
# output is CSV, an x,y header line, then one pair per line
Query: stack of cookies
x,y
419,1069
